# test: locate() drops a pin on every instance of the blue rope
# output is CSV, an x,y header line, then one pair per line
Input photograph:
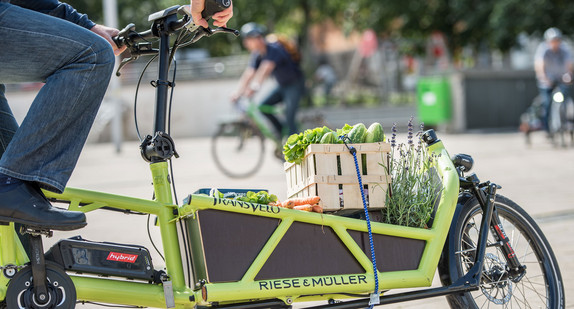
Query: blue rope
x,y
375,271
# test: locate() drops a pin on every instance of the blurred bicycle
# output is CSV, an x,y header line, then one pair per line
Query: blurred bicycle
x,y
238,146
560,118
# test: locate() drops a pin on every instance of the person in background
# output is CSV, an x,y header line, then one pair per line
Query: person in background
x,y
326,76
49,41
553,66
271,58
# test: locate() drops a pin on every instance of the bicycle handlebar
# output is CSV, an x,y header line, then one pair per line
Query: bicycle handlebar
x,y
129,36
165,23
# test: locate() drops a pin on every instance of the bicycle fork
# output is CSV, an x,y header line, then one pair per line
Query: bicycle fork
x,y
485,194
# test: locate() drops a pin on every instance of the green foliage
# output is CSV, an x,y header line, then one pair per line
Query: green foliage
x,y
464,22
294,148
261,197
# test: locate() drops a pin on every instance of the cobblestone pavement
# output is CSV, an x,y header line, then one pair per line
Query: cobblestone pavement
x,y
539,178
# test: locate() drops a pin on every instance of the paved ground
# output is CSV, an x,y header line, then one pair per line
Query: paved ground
x,y
539,178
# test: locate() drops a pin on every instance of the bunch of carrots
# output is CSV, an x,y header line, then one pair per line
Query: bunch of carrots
x,y
301,203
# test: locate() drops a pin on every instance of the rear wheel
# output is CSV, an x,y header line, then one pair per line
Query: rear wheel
x,y
238,149
540,287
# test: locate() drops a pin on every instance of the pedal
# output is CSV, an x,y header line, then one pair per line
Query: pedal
x,y
36,231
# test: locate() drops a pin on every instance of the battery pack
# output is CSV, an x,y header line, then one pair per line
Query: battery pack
x,y
102,258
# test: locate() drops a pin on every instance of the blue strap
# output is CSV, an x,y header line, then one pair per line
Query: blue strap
x,y
375,296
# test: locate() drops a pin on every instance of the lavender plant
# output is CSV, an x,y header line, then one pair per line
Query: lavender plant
x,y
414,188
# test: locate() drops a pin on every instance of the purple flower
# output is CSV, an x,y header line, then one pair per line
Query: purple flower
x,y
394,135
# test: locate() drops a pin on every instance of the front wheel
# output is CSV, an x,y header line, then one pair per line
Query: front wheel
x,y
541,286
238,149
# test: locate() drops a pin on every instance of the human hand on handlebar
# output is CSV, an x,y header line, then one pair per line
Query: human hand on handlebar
x,y
220,19
108,33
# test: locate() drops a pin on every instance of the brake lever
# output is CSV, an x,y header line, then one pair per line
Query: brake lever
x,y
123,63
207,32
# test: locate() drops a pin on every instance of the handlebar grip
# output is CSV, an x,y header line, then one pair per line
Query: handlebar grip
x,y
214,6
122,35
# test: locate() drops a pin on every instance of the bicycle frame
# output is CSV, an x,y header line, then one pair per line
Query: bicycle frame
x,y
248,287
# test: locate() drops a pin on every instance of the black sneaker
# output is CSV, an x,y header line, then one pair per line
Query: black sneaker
x,y
27,205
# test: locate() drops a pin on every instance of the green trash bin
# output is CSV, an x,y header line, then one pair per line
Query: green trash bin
x,y
433,100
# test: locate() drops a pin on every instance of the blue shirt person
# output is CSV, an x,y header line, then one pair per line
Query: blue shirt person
x,y
271,58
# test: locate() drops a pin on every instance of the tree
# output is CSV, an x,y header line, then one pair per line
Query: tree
x,y
473,23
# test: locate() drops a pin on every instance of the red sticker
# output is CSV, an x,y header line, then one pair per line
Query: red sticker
x,y
122,257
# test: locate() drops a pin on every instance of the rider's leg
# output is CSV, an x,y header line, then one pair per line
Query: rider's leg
x,y
546,96
565,89
76,65
8,124
273,98
292,95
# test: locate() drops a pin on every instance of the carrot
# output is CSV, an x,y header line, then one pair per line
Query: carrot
x,y
295,201
306,207
311,208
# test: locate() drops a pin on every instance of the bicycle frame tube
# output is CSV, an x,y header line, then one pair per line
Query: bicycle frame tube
x,y
162,83
253,112
125,292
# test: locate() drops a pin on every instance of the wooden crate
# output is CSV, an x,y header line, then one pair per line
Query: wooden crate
x,y
328,171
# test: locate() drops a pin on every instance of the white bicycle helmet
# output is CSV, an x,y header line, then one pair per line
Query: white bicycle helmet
x,y
552,33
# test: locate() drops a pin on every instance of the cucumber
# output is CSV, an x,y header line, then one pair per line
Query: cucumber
x,y
358,133
375,133
329,138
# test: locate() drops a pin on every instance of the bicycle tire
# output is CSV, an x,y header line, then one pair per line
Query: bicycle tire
x,y
556,124
238,149
542,285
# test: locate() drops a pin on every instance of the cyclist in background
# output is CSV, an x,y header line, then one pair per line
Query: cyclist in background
x,y
271,58
553,66
49,41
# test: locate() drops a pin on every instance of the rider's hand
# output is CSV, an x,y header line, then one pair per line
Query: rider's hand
x,y
235,97
219,19
567,78
108,33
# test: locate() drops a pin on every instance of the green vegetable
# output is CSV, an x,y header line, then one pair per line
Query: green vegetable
x,y
375,133
330,138
261,197
294,148
358,133
344,130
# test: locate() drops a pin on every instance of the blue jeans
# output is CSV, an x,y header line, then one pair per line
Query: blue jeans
x,y
76,66
290,95
546,95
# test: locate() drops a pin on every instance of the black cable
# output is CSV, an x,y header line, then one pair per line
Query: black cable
x,y
186,250
151,239
136,97
107,305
